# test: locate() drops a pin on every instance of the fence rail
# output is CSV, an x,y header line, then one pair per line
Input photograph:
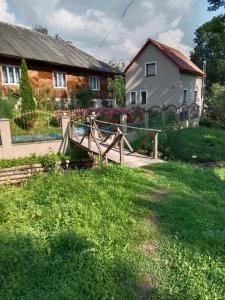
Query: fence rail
x,y
103,141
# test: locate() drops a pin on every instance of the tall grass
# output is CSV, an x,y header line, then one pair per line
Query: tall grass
x,y
7,105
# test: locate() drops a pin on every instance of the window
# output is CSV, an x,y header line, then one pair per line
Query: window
x,y
95,83
133,97
11,74
143,97
150,69
185,96
59,79
195,96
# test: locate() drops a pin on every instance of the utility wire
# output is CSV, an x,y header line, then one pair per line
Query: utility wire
x,y
115,25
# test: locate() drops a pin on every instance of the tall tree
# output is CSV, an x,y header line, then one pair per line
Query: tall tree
x,y
26,93
117,85
40,29
210,48
216,4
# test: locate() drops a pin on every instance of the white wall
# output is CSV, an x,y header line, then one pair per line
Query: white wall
x,y
166,87
191,83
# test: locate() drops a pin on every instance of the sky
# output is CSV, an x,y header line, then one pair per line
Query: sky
x,y
87,22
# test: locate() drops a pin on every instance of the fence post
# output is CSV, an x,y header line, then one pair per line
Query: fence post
x,y
146,118
155,145
65,124
121,150
5,134
123,121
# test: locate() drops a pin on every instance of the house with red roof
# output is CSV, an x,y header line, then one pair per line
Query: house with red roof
x,y
161,76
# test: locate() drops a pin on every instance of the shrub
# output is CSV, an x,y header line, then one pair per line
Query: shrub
x,y
27,102
217,101
48,161
211,123
84,96
117,87
193,145
7,105
44,99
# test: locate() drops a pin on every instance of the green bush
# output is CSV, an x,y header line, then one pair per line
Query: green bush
x,y
84,96
193,145
7,105
27,100
211,123
48,161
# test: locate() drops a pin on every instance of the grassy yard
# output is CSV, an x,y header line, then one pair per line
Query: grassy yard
x,y
115,233
188,145
195,145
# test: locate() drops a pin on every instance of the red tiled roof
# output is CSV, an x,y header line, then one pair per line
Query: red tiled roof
x,y
176,56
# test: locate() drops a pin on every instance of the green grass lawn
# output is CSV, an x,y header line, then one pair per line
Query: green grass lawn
x,y
188,145
42,124
195,145
115,233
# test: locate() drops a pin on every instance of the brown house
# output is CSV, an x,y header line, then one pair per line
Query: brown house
x,y
55,66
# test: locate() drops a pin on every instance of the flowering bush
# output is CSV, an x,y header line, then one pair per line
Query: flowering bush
x,y
111,115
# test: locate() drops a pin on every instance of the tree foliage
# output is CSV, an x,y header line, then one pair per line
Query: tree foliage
x,y
27,100
217,101
216,4
210,48
117,64
117,85
40,29
84,98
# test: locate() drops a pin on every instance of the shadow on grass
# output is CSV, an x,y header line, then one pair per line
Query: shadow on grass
x,y
64,267
193,208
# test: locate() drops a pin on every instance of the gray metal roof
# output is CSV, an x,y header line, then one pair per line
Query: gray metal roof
x,y
21,42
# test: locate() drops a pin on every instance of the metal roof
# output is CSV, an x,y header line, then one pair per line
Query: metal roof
x,y
21,42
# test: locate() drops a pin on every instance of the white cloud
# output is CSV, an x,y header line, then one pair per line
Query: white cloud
x,y
181,5
86,23
173,38
5,15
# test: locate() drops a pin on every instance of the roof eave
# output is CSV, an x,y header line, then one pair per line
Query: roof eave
x,y
60,64
192,72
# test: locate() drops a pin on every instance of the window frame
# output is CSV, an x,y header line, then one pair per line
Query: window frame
x,y
98,85
195,96
135,97
185,100
14,74
151,63
141,96
54,83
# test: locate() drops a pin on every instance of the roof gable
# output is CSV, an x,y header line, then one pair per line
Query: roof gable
x,y
183,63
21,42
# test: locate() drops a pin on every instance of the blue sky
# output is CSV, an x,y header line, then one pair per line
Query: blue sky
x,y
86,22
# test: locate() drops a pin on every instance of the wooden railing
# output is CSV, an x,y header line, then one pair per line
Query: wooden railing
x,y
152,134
106,140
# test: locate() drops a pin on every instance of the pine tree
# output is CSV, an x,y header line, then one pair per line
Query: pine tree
x,y
27,102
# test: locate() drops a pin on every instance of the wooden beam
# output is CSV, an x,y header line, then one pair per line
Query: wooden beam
x,y
126,141
155,146
122,149
111,145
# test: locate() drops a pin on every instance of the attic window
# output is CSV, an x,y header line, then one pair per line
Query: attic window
x,y
11,74
150,69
